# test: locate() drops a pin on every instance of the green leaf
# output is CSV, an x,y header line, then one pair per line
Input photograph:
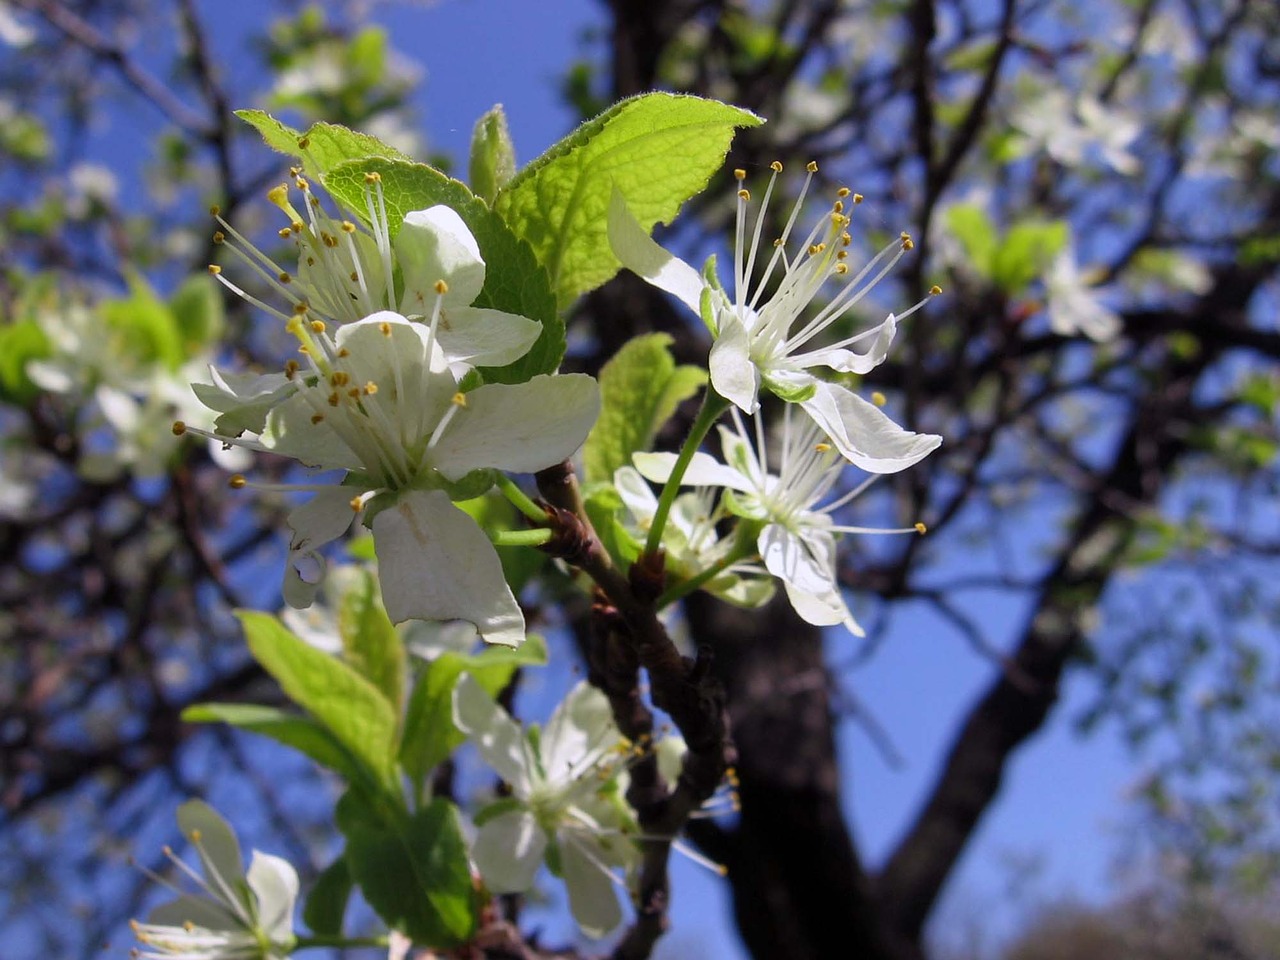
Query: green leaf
x,y
197,311
20,342
514,281
144,326
369,639
413,870
301,733
658,149
970,225
495,513
327,144
493,156
640,389
1027,250
354,710
327,902
429,733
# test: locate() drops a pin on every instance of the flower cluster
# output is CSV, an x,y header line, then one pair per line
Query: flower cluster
x,y
381,401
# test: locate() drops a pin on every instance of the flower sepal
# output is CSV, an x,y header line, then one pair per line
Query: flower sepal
x,y
790,389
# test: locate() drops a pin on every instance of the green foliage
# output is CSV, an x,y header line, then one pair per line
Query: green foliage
x,y
326,144
1014,260
493,156
413,869
144,326
301,733
429,733
353,710
658,149
640,389
514,280
196,307
495,513
327,902
370,643
20,342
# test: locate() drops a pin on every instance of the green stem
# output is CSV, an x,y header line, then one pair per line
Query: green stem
x,y
337,940
520,500
745,535
521,538
712,406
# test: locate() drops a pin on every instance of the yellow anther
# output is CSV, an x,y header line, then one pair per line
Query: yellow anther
x,y
303,143
219,237
843,192
343,352
214,269
356,505
744,194
739,173
335,398
822,447
340,378
441,287
300,308
935,290
838,207
215,210
317,419
302,184
842,254
296,226
879,399
304,350
815,249
907,242
722,869
812,166
279,194
284,277
921,528
857,198
777,242
290,369
188,925
846,238
295,171
348,226
236,482
317,326
179,428
373,177
353,276
284,233
776,166
460,399
370,388
385,327
354,393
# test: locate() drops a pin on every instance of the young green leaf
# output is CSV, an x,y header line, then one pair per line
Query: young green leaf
x,y
493,156
1026,252
370,641
658,149
354,710
301,733
327,902
640,389
514,281
412,869
326,144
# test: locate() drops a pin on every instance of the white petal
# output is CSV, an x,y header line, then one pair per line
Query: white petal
x,y
593,901
200,911
845,360
217,844
435,563
637,496
322,519
639,253
581,728
499,739
823,609
865,435
807,563
733,374
519,427
486,338
434,245
704,470
398,354
509,851
275,883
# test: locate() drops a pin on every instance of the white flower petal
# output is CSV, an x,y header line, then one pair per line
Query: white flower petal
x,y
508,851
275,883
703,471
823,609
579,730
435,563
215,840
519,427
499,739
844,360
637,496
322,519
805,562
639,253
593,901
486,338
733,374
200,911
433,245
864,435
